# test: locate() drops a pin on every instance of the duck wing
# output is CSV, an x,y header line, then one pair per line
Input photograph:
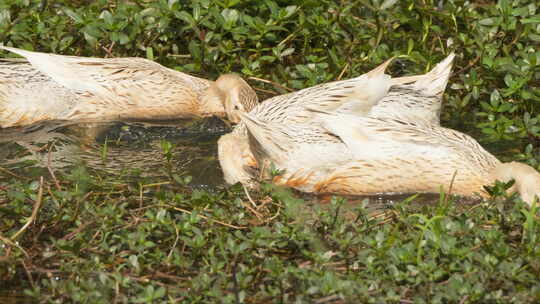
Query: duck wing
x,y
110,78
357,95
374,94
370,138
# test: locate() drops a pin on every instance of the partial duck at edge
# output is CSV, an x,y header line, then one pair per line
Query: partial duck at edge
x,y
57,87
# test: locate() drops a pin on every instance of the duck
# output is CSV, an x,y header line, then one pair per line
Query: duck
x,y
369,135
57,87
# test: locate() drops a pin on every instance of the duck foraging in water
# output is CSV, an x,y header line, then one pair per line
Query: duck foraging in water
x,y
322,143
56,87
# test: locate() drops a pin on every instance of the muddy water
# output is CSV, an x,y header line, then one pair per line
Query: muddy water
x,y
134,150
120,148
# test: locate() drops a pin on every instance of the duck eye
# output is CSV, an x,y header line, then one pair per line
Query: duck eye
x,y
236,107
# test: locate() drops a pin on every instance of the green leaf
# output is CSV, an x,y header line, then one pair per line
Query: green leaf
x,y
123,38
106,15
488,21
535,19
73,15
92,30
5,17
150,55
186,17
291,9
195,50
230,15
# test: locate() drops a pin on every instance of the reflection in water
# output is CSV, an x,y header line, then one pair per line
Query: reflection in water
x,y
130,150
122,149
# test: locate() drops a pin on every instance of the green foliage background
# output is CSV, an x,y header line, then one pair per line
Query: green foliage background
x,y
442,254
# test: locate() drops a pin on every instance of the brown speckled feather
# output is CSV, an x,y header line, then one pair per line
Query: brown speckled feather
x,y
396,146
52,86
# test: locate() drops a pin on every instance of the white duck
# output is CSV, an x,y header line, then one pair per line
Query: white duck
x,y
56,87
368,135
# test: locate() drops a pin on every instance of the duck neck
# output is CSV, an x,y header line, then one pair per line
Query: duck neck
x,y
212,102
527,179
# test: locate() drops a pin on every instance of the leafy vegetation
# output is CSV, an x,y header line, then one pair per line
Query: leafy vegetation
x,y
85,236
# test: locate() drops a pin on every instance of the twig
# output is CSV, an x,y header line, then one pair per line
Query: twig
x,y
328,299
249,196
34,212
261,172
257,214
29,274
272,83
140,195
175,242
273,217
450,188
470,65
109,49
70,235
282,42
207,218
11,243
12,174
266,91
156,184
179,55
50,168
343,71
141,187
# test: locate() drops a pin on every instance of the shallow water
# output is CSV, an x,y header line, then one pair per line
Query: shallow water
x,y
133,150
123,149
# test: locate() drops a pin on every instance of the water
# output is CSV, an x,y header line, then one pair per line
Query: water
x,y
131,151
123,149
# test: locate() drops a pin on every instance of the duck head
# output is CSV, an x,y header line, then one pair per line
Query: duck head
x,y
228,94
235,158
527,180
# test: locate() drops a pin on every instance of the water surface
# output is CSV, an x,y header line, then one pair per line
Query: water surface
x,y
124,149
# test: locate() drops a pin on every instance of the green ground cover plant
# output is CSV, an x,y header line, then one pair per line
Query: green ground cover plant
x,y
84,236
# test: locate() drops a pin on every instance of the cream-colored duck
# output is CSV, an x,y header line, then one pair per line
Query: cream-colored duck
x,y
56,87
368,135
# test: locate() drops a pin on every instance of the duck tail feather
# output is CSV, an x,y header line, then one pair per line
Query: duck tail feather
x,y
366,94
379,70
436,80
432,83
61,69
